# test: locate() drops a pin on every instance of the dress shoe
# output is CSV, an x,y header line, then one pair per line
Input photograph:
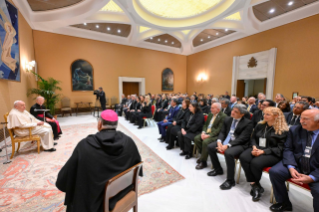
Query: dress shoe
x,y
281,207
201,165
55,143
139,128
215,172
169,147
56,138
227,185
183,153
188,156
256,192
160,139
50,150
252,190
198,160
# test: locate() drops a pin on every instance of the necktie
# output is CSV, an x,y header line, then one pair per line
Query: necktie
x,y
209,130
305,164
231,132
248,109
293,120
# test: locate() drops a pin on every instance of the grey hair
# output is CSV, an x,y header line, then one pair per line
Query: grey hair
x,y
227,102
218,105
40,97
261,94
282,96
305,105
215,99
16,103
252,98
242,108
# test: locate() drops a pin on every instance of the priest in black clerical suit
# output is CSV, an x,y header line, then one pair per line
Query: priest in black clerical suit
x,y
95,160
49,118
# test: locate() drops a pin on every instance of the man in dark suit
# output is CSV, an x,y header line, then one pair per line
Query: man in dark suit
x,y
227,95
119,107
293,118
300,161
233,139
102,98
209,134
251,108
131,107
225,106
258,114
260,97
168,120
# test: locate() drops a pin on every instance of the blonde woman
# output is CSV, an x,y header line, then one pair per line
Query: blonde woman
x,y
146,111
267,143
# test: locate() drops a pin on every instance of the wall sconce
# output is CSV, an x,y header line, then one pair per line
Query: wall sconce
x,y
28,66
202,77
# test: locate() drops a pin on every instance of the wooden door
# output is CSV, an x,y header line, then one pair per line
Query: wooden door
x,y
265,85
130,88
240,92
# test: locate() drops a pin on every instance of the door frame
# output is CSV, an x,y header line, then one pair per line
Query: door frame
x,y
268,72
140,81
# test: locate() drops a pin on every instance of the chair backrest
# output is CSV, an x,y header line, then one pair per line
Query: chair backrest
x,y
120,182
153,108
65,102
113,100
251,116
107,100
11,132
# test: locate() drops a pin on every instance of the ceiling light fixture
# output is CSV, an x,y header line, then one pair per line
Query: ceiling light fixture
x,y
165,41
217,33
108,28
85,24
272,11
119,31
97,26
290,3
172,42
159,39
226,30
208,37
201,40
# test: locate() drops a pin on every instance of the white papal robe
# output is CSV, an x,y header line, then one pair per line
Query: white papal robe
x,y
24,120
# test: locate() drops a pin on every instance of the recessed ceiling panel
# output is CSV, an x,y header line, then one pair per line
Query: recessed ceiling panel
x,y
209,35
44,5
178,8
274,8
122,30
166,40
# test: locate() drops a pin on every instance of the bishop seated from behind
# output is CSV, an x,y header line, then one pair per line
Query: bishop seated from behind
x,y
48,117
20,118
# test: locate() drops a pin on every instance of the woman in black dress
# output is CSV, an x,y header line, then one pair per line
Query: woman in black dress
x,y
267,143
146,112
191,126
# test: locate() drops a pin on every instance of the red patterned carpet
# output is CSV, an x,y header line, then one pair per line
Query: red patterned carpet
x,y
28,183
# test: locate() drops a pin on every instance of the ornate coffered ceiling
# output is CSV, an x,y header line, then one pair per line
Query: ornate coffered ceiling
x,y
180,26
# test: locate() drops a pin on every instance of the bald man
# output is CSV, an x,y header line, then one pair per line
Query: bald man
x,y
20,118
300,161
48,117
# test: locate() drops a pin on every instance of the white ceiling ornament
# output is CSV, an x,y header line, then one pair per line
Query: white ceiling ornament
x,y
184,20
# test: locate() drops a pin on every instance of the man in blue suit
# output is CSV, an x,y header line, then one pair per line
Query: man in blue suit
x,y
168,120
300,161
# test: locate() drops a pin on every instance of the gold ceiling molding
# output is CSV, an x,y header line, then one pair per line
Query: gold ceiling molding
x,y
234,17
112,7
143,29
178,8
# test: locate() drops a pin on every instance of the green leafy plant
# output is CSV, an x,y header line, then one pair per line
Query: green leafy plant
x,y
47,89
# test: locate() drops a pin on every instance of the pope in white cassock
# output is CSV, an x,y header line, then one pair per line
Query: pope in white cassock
x,y
19,117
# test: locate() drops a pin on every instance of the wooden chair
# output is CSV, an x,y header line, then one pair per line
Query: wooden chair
x,y
16,139
113,102
66,106
118,184
107,103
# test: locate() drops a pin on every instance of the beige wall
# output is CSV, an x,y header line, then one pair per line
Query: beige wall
x,y
10,90
55,54
297,67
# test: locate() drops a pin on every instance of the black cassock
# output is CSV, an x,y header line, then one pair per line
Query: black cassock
x,y
55,128
95,160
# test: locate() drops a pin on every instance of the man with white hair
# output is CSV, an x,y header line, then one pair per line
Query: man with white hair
x,y
209,134
48,117
252,105
20,118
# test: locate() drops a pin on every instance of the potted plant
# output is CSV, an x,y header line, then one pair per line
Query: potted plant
x,y
47,89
